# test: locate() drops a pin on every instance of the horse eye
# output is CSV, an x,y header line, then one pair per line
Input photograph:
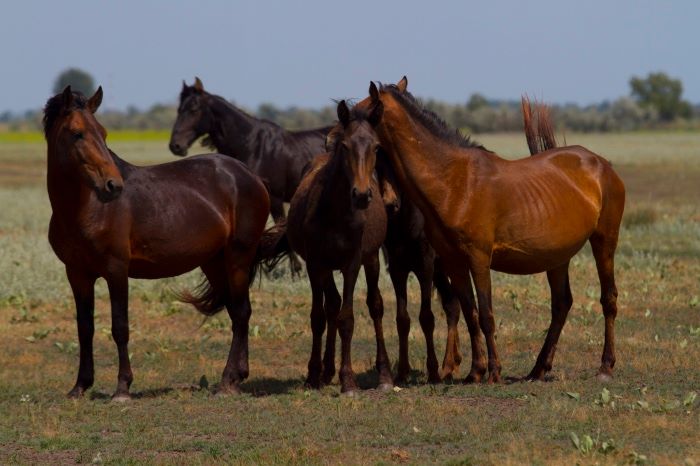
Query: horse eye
x,y
77,136
377,149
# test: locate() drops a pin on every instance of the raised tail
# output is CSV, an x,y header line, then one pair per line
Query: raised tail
x,y
539,130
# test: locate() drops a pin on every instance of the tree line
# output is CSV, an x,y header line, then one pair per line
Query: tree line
x,y
655,102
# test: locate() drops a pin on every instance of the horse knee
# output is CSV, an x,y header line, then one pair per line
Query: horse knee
x,y
609,302
375,305
426,319
486,323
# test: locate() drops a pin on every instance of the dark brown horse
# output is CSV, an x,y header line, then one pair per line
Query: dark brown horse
x,y
115,220
525,216
408,250
337,221
274,154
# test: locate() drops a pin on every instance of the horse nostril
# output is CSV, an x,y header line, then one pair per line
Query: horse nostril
x,y
112,187
369,194
175,147
354,192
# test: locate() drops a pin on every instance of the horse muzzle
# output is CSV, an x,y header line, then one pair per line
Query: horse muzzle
x,y
361,199
178,149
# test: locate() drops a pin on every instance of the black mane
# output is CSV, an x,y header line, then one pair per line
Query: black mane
x,y
54,107
430,119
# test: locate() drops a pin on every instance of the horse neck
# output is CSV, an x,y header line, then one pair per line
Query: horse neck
x,y
231,128
422,163
335,200
67,189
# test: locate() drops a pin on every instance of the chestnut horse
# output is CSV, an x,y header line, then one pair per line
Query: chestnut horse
x,y
115,220
524,216
337,221
276,155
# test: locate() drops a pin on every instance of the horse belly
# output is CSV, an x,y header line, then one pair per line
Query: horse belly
x,y
160,256
525,259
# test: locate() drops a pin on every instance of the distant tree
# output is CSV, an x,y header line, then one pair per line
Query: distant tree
x,y
78,79
476,101
663,93
268,111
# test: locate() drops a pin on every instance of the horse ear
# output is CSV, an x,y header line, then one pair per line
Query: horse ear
x,y
95,101
375,116
184,86
403,84
373,91
198,86
67,96
343,113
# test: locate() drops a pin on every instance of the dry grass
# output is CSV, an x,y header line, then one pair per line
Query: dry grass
x,y
648,411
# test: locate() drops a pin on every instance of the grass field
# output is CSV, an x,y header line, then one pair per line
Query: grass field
x,y
649,414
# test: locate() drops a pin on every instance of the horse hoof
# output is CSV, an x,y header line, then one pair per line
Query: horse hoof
x,y
313,384
385,387
604,377
75,393
228,390
349,392
121,397
493,379
471,379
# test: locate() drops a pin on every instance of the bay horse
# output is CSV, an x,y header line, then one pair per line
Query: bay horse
x,y
114,220
523,216
274,154
337,221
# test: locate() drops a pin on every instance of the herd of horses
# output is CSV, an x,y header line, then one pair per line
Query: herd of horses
x,y
389,175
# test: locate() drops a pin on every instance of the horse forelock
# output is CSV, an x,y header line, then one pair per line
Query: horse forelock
x,y
54,108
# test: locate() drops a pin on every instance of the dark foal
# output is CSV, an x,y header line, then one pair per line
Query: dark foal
x,y
115,220
408,250
337,221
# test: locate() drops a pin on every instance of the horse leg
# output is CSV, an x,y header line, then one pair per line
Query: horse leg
x,y
399,276
561,304
463,287
346,325
450,305
426,317
604,254
119,298
376,311
83,287
331,306
318,326
237,266
481,272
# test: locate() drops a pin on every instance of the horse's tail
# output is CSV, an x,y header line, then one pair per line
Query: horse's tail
x,y
539,130
207,299
273,247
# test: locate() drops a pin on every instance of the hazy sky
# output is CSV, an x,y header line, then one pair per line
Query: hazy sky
x,y
306,52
